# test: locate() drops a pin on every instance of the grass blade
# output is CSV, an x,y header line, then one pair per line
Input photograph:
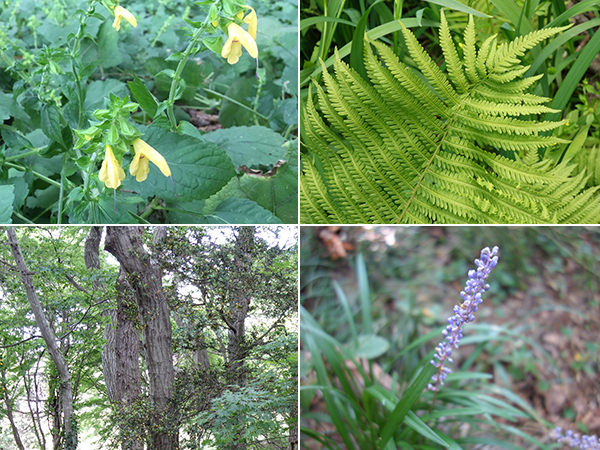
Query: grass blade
x,y
410,396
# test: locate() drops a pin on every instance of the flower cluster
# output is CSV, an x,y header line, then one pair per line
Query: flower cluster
x,y
111,173
463,313
576,440
114,134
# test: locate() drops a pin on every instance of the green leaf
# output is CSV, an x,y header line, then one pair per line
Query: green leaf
x,y
10,108
214,44
577,142
278,194
51,123
305,23
98,90
457,6
358,44
7,197
231,114
240,211
108,46
249,146
228,211
371,346
142,95
460,145
199,168
567,87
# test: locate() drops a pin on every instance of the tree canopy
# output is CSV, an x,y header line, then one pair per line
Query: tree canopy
x,y
171,337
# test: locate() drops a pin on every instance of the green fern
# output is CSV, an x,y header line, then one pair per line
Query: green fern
x,y
428,148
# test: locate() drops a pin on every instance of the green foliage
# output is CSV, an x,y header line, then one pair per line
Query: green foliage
x,y
61,63
411,271
368,403
427,146
249,414
133,424
265,267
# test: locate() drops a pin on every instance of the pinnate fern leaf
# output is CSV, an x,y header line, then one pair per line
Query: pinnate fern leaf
x,y
430,146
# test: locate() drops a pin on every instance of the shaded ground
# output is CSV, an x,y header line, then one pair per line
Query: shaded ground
x,y
545,288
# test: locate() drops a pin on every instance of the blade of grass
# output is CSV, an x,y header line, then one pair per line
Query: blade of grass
x,y
364,292
513,12
374,34
357,61
523,435
579,8
566,89
409,397
411,420
305,23
332,406
557,42
346,306
323,440
457,6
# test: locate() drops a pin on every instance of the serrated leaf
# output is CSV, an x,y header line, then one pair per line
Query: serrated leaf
x,y
250,146
50,123
10,108
199,168
240,211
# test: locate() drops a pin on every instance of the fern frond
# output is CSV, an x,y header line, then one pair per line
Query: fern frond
x,y
449,147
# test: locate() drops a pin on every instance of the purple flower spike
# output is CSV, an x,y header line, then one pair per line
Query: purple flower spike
x,y
463,313
576,440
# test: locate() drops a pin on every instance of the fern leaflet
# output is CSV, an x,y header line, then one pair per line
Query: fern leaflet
x,y
434,146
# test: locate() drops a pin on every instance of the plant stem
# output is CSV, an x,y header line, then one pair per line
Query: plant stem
x,y
177,76
37,174
24,155
237,103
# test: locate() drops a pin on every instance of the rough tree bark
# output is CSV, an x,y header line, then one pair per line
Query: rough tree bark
x,y
145,277
66,394
120,357
91,256
238,311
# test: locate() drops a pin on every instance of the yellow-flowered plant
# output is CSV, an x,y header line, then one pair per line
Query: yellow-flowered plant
x,y
139,167
238,37
122,13
111,173
117,135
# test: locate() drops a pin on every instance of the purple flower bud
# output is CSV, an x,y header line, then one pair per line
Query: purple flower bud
x,y
575,439
463,313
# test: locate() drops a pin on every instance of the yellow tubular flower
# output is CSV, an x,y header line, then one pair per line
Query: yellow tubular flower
x,y
139,166
251,20
120,13
111,173
232,50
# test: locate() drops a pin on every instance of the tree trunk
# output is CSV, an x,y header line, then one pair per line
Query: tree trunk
x,y
120,357
238,311
125,244
91,256
8,403
293,438
66,395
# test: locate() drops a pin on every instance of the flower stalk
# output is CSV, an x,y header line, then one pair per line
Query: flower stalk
x,y
463,313
584,442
